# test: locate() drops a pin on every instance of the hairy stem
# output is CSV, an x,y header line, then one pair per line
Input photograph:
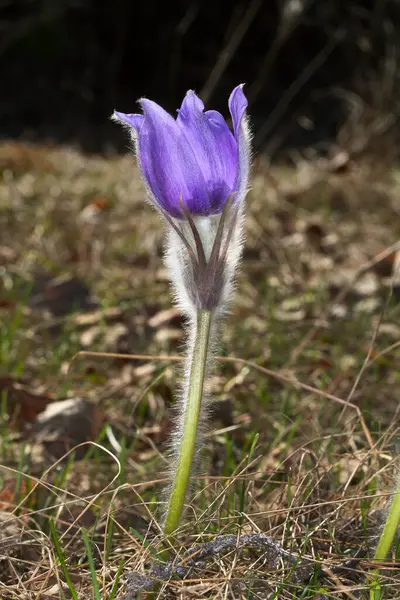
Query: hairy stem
x,y
390,528
386,539
198,366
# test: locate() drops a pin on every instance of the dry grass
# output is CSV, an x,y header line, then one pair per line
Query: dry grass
x,y
314,325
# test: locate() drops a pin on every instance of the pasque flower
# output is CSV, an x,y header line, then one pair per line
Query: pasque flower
x,y
196,173
193,161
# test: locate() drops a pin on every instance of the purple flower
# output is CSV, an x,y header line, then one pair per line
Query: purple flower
x,y
195,160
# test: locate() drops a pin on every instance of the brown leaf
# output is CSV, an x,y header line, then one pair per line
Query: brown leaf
x,y
60,295
17,543
170,316
315,235
387,266
23,406
8,494
67,423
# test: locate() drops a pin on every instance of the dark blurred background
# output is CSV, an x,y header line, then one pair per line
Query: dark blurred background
x,y
307,64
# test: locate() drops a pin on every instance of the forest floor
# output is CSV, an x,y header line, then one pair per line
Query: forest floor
x,y
302,443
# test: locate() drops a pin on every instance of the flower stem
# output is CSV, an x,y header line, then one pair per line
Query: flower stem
x,y
390,528
198,366
386,539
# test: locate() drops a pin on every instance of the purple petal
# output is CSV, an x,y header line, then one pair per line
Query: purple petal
x,y
195,159
213,145
168,163
237,107
133,120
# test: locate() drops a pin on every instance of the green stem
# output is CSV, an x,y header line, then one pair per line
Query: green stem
x,y
191,419
386,539
390,528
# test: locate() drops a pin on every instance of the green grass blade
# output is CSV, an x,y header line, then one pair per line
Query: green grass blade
x,y
92,566
61,558
116,582
242,500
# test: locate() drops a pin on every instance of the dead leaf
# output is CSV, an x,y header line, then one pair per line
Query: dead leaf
x,y
57,591
93,318
164,336
23,405
67,423
61,295
9,497
171,316
387,266
315,235
17,543
89,335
